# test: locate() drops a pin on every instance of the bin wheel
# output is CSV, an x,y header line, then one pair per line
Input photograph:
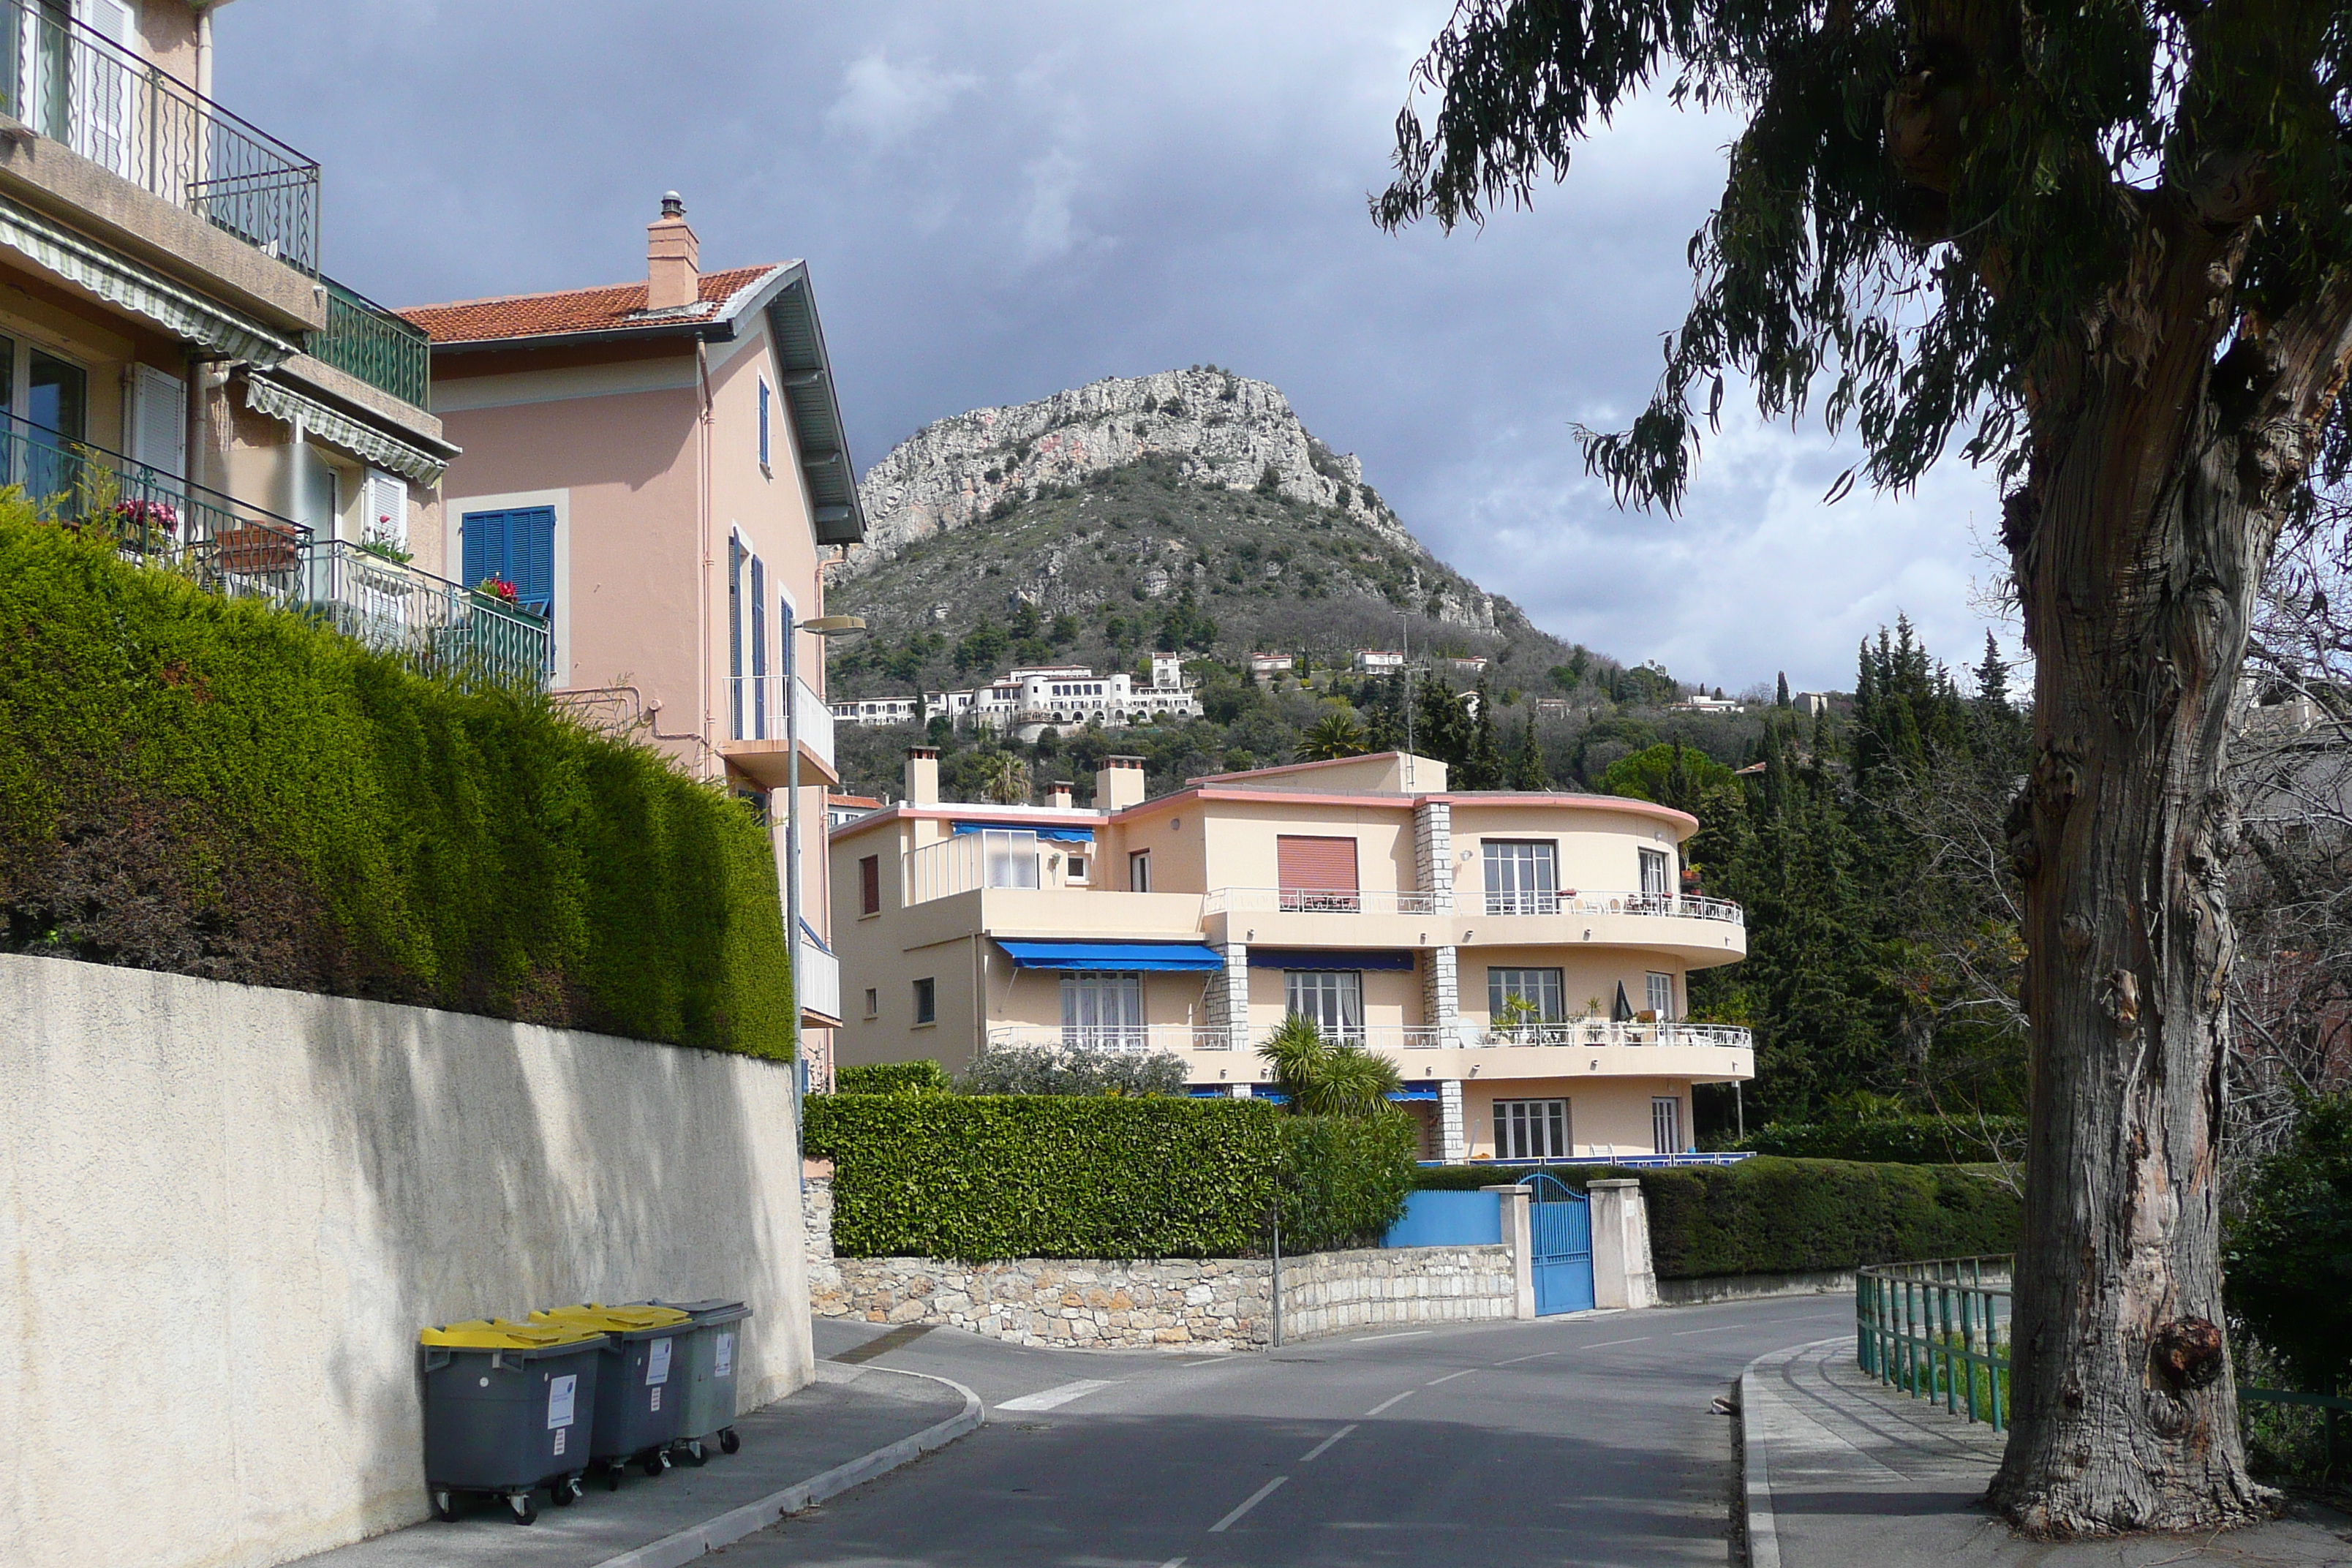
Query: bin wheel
x,y
445,1506
526,1510
728,1441
655,1462
613,1477
565,1490
696,1454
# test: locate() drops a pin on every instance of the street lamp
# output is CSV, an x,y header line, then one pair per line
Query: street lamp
x,y
822,626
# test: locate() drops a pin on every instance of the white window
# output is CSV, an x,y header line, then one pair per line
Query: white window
x,y
386,499
1009,857
159,420
1531,1130
1103,1012
1656,881
1662,995
1665,1126
1078,868
1332,999
1522,876
1138,871
1520,999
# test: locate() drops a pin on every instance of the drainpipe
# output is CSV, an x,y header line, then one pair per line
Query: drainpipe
x,y
703,620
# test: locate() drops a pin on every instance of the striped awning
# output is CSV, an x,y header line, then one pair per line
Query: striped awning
x,y
279,401
124,283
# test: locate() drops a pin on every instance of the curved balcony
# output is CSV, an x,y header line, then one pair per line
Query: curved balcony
x,y
1580,1034
1469,901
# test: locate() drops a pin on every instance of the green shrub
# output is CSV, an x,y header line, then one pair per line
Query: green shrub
x,y
922,1076
982,1176
1072,1070
1901,1141
2290,1251
214,787
1771,1216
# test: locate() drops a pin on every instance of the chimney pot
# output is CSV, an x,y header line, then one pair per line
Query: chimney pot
x,y
673,204
1118,784
1062,793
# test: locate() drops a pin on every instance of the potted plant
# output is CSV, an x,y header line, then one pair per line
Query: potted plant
x,y
142,527
254,549
379,568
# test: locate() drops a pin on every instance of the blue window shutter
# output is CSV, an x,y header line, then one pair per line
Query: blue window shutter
x,y
530,557
758,649
763,425
484,534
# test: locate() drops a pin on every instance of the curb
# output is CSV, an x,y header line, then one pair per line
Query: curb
x,y
732,1526
1762,1531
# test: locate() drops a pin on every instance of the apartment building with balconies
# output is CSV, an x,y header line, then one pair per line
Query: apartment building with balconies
x,y
176,367
660,465
1524,958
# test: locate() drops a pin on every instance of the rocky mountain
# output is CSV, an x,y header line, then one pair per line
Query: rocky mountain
x,y
1188,509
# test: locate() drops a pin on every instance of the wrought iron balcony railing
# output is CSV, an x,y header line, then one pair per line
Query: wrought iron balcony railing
x,y
74,85
363,339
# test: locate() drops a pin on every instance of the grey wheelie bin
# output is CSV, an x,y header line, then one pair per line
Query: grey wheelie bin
x,y
637,1406
508,1408
708,1355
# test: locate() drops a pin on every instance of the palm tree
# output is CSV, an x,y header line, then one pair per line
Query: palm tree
x,y
1004,779
1327,1077
1337,734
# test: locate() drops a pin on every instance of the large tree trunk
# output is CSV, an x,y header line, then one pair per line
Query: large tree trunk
x,y
2157,485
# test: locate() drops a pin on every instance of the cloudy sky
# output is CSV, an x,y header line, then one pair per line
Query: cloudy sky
x,y
997,202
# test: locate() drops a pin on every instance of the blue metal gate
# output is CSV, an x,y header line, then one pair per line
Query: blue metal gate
x,y
1561,1225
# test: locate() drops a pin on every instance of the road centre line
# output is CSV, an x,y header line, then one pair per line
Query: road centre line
x,y
1604,1344
1723,1328
1449,1377
1384,1405
1516,1359
1255,1498
1317,1452
1050,1398
1408,1335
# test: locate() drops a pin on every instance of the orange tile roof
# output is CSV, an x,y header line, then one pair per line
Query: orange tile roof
x,y
620,305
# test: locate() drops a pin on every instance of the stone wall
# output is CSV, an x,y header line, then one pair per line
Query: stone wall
x,y
228,1210
1218,1304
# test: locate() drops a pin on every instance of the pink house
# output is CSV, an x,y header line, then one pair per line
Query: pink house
x,y
660,465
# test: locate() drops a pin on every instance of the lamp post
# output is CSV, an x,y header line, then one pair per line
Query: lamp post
x,y
822,626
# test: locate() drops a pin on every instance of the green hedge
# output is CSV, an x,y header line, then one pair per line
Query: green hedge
x,y
218,788
922,1076
979,1177
1770,1215
1910,1141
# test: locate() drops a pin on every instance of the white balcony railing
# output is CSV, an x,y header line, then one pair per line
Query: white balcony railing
x,y
816,723
1468,1036
1571,902
994,857
755,711
1326,900
1605,1032
1099,1037
817,979
1407,902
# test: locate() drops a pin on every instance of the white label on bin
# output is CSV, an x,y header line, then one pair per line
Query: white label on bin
x,y
657,1366
560,1395
724,1365
656,1403
561,1433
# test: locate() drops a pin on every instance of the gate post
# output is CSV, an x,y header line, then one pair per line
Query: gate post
x,y
1518,1237
1622,1275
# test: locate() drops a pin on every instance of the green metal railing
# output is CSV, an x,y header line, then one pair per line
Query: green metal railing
x,y
363,339
1940,1329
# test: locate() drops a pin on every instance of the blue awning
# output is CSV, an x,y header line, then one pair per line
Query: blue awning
x,y
1058,835
1335,958
1417,1091
1190,956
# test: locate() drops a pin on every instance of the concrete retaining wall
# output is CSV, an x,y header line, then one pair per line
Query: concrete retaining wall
x,y
228,1211
1754,1287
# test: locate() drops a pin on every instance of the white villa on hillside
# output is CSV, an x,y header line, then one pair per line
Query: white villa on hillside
x,y
1028,701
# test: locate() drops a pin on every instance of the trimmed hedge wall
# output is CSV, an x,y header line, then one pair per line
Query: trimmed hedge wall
x,y
922,1076
218,788
982,1177
1911,1141
1770,1215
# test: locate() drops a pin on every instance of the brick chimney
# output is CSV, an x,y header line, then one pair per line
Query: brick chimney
x,y
1060,792
673,258
923,775
1118,784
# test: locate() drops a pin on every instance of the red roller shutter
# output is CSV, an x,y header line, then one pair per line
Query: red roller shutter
x,y
1316,866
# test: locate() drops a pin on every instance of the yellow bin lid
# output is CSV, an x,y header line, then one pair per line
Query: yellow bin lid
x,y
498,1335
613,1320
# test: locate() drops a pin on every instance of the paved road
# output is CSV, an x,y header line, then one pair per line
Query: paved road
x,y
1586,1441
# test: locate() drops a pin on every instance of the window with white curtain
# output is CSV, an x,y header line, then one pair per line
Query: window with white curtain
x,y
1102,1011
1522,876
1331,999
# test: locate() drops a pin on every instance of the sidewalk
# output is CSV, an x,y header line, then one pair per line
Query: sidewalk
x,y
1840,1470
851,1424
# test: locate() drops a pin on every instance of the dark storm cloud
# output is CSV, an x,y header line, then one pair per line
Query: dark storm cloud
x,y
999,202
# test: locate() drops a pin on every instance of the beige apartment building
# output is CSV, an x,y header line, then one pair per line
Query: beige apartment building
x,y
1523,958
659,466
177,365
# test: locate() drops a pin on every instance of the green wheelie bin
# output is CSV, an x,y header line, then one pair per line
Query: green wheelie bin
x,y
637,1406
708,1355
507,1409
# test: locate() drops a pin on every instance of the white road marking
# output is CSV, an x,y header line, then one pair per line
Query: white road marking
x,y
1052,1398
1255,1498
1408,1335
1686,1333
1173,1562
1604,1344
1384,1404
1449,1377
1317,1451
1516,1359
